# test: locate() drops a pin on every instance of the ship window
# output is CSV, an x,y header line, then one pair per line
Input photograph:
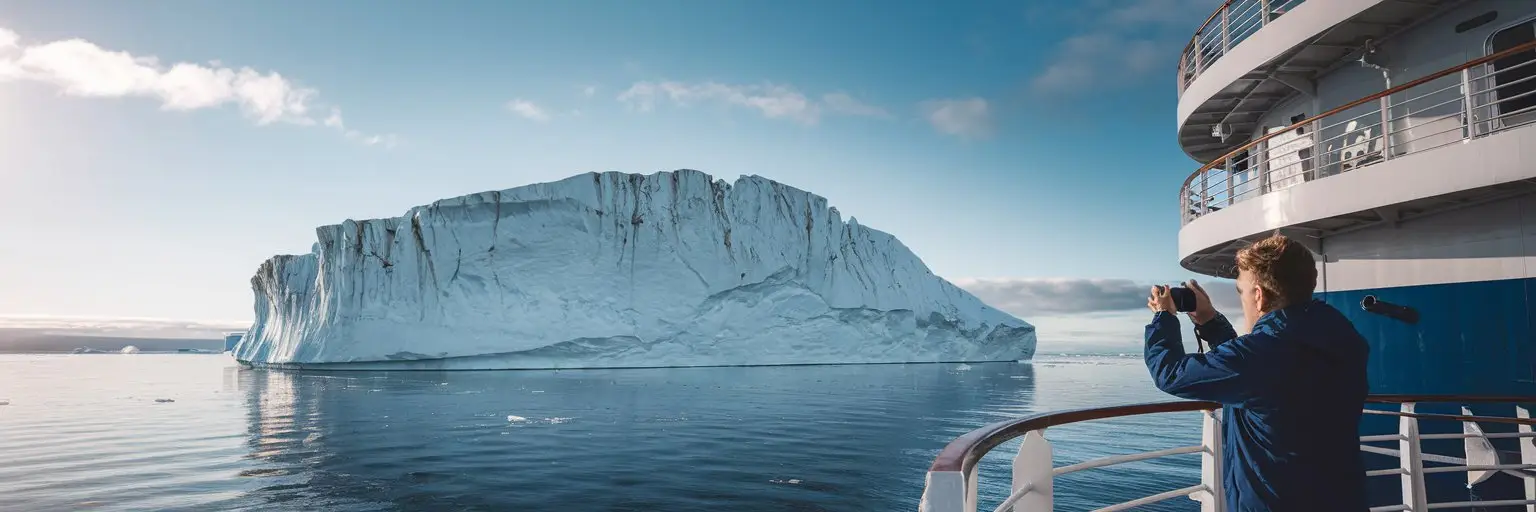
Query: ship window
x,y
1508,91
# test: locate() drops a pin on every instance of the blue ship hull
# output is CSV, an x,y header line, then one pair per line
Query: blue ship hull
x,y
1470,338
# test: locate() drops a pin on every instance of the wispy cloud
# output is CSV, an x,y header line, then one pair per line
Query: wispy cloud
x,y
124,327
969,118
589,91
81,68
335,121
1171,13
1121,44
528,110
842,103
773,101
1027,297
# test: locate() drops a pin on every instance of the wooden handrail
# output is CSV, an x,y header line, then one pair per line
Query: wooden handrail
x,y
1414,83
963,453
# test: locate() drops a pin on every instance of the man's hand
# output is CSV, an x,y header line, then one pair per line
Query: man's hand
x,y
1160,300
1204,311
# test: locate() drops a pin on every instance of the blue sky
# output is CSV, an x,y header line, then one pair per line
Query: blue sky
x,y
999,140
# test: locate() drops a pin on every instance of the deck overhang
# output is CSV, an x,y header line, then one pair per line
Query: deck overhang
x,y
1408,187
1221,107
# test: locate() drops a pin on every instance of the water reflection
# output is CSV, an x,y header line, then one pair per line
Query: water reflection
x,y
809,438
88,432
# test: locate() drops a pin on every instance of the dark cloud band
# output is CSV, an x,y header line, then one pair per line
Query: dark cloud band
x,y
1031,296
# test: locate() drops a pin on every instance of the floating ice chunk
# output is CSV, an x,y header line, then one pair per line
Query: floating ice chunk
x,y
557,421
130,349
516,419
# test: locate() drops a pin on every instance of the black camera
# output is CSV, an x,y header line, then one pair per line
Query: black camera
x,y
1183,298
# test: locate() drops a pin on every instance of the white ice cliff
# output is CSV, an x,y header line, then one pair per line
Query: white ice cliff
x,y
617,270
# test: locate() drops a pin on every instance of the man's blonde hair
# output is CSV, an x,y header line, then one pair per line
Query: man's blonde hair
x,y
1282,267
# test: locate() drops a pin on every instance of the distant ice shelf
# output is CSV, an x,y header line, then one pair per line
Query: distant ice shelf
x,y
617,270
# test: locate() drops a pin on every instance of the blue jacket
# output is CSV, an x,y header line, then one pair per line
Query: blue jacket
x,y
1291,391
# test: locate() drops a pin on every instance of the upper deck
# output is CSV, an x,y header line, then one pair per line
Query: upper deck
x,y
1432,120
1252,55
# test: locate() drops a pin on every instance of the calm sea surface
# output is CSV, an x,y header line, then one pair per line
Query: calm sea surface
x,y
91,432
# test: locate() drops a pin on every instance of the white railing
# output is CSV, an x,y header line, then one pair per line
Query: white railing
x,y
952,480
1233,22
1444,108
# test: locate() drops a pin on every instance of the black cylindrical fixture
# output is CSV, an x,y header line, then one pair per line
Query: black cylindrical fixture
x,y
1403,314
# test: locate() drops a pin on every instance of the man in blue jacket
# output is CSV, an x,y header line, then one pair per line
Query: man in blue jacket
x,y
1291,389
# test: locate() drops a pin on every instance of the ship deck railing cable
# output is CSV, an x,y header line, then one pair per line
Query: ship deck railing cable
x,y
1232,23
1454,105
952,485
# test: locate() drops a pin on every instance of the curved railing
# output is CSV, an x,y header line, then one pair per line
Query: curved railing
x,y
1424,114
1233,22
952,480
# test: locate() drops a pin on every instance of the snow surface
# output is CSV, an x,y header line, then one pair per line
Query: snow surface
x,y
617,270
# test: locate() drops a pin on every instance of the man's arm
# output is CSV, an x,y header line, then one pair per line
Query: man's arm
x,y
1215,331
1226,374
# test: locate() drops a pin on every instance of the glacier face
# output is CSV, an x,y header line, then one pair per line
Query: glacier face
x,y
617,270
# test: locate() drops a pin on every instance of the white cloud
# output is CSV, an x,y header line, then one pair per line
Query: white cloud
x,y
842,103
969,118
81,68
528,110
589,91
124,327
773,101
1098,60
1121,43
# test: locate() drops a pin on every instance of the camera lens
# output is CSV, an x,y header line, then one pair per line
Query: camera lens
x,y
1183,298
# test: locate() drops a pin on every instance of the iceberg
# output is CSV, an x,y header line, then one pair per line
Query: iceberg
x,y
609,270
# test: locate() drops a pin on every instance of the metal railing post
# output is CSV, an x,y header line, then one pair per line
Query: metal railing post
x,y
1466,104
1316,127
1386,130
943,492
1263,175
1263,12
1232,181
1227,176
1199,66
1411,462
1214,499
1183,71
1205,192
1034,469
1184,204
971,486
1527,454
1226,30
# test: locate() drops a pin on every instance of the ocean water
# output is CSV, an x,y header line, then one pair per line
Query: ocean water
x,y
197,432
